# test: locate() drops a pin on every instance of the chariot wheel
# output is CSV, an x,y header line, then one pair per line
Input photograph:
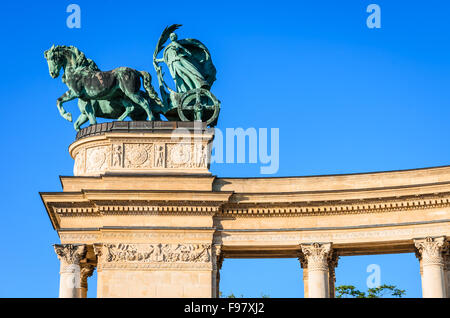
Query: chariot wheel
x,y
199,105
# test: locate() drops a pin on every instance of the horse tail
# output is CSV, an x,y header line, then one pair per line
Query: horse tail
x,y
147,82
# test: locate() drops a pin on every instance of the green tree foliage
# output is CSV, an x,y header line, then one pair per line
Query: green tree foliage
x,y
350,291
232,295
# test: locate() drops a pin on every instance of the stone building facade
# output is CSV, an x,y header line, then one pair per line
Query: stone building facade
x,y
143,210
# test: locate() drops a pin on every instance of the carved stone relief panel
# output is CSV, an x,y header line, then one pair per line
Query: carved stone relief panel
x,y
80,162
97,158
138,155
179,155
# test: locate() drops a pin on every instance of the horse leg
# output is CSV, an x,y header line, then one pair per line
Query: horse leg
x,y
129,83
141,101
129,107
80,121
67,96
83,116
89,110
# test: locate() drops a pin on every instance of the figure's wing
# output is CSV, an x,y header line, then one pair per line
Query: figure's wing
x,y
196,43
159,47
163,38
203,59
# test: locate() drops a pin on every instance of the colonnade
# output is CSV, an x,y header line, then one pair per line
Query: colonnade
x,y
318,261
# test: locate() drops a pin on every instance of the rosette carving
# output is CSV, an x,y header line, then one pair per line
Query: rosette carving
x,y
138,155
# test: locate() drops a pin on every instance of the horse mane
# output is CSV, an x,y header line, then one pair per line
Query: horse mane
x,y
81,60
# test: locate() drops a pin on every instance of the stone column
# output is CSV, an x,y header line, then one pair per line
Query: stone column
x,y
304,265
70,256
431,253
218,258
305,282
316,259
420,269
332,264
86,271
447,271
98,254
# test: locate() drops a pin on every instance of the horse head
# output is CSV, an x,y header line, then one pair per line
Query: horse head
x,y
59,56
55,59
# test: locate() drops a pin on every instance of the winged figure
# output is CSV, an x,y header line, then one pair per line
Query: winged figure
x,y
188,60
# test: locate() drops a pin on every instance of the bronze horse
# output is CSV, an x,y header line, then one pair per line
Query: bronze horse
x,y
113,94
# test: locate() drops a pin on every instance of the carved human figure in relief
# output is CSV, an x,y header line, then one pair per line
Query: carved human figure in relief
x,y
117,156
159,162
200,155
180,154
79,163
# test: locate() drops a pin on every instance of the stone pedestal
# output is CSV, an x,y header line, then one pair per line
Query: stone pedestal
x,y
150,227
142,148
156,270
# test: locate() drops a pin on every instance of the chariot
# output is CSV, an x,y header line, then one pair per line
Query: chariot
x,y
193,72
197,104
116,94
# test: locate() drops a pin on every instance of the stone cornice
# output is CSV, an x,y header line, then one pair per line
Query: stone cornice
x,y
138,127
341,195
103,202
167,182
359,206
354,181
98,203
141,195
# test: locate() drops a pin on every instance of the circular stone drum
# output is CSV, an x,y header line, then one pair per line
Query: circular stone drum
x,y
143,148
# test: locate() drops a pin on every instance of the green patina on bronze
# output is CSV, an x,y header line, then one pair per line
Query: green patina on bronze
x,y
117,94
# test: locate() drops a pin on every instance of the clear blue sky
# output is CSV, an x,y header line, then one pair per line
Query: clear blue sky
x,y
345,98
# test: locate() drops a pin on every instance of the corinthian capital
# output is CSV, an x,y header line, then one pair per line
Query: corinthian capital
x,y
70,253
431,249
87,270
217,253
98,249
315,256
